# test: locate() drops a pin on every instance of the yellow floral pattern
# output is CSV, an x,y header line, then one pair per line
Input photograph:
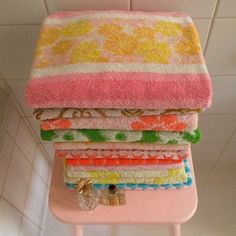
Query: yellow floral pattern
x,y
168,28
190,45
118,41
85,52
77,29
62,47
154,52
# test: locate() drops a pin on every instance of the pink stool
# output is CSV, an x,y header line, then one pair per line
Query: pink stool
x,y
172,207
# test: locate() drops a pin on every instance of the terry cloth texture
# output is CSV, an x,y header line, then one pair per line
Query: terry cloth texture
x,y
134,162
117,59
184,148
179,123
125,167
60,113
87,135
170,176
90,154
131,186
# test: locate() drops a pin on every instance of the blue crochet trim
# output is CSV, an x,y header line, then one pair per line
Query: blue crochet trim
x,y
140,186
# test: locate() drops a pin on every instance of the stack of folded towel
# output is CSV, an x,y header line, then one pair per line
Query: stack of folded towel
x,y
119,94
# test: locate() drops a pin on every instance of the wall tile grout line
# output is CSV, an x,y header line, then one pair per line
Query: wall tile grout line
x,y
45,6
20,24
18,107
10,161
32,164
211,25
225,147
129,5
22,213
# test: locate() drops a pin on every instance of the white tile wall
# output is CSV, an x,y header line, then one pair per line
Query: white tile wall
x,y
196,9
10,219
221,48
203,26
16,46
24,177
217,128
229,154
17,179
41,165
6,152
28,228
17,88
21,12
80,5
226,8
34,205
25,141
224,97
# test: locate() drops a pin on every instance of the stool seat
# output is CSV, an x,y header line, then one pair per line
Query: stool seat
x,y
174,206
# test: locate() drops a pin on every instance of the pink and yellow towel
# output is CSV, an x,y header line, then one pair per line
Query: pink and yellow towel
x,y
118,59
180,123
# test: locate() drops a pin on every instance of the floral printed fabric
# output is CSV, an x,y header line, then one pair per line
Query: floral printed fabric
x,y
59,113
87,135
115,38
179,123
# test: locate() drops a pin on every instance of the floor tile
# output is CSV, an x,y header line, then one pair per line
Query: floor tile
x,y
216,213
28,228
229,154
224,95
42,165
13,123
25,141
34,209
50,150
217,128
10,219
16,185
5,157
207,152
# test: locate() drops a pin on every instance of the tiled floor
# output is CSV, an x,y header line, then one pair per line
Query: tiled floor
x,y
215,216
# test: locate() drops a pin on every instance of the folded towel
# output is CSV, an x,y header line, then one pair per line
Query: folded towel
x,y
121,167
59,113
87,135
71,183
117,59
123,174
170,176
180,123
183,148
120,154
123,161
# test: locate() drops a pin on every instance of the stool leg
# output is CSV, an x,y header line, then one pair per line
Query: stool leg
x,y
78,230
174,230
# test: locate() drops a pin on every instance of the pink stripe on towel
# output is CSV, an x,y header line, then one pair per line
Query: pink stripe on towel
x,y
145,90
